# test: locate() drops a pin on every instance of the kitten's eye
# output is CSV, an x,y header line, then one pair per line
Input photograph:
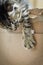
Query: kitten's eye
x,y
15,8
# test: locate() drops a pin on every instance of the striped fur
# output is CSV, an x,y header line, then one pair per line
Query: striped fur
x,y
21,7
28,31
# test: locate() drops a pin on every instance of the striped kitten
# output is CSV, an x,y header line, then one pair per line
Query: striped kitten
x,y
11,13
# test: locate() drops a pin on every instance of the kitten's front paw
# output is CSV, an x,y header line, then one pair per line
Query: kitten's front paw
x,y
29,43
29,39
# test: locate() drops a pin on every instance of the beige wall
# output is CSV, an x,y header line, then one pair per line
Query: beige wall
x,y
32,2
37,3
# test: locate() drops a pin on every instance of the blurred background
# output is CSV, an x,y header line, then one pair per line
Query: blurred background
x,y
36,3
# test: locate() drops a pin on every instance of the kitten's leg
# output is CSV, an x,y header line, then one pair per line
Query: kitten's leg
x,y
29,38
28,32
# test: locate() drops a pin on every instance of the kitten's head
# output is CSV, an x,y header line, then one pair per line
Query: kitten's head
x,y
13,9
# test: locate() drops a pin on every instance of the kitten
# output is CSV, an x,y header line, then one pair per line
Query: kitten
x,y
11,12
